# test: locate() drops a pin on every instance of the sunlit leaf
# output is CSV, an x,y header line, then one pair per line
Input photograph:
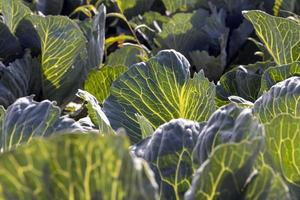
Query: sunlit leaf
x,y
13,11
63,55
277,74
281,150
118,39
98,82
175,5
76,166
161,90
146,127
125,56
95,112
281,36
267,185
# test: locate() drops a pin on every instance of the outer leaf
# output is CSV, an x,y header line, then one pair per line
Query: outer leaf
x,y
75,166
212,66
234,7
28,37
2,115
169,152
99,82
26,119
146,127
175,5
95,112
10,47
280,36
62,47
125,56
134,7
215,28
238,37
21,78
267,185
229,124
13,12
282,136
284,97
277,74
160,90
94,30
225,173
183,33
242,81
202,40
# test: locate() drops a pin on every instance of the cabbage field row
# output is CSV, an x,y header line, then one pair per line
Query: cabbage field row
x,y
150,99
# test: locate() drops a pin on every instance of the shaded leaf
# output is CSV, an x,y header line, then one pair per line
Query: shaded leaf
x,y
26,119
212,66
75,166
225,173
70,5
10,47
28,37
52,7
243,81
238,38
183,32
94,30
21,78
160,89
204,41
228,124
169,153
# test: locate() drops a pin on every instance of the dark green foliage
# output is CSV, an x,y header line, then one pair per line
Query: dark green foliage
x,y
209,112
